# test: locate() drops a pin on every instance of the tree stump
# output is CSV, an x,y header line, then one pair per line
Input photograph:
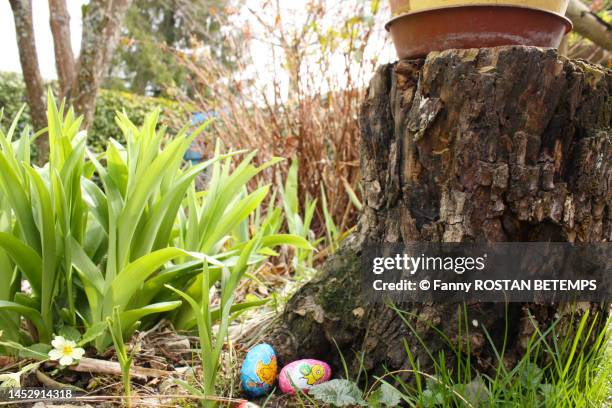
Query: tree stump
x,y
498,145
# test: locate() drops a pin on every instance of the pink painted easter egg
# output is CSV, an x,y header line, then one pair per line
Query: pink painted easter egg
x,y
303,374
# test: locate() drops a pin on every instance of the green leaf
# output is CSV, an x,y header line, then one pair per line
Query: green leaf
x,y
236,214
290,193
157,229
530,375
69,333
386,395
205,333
90,274
93,332
548,391
46,224
97,203
128,318
31,314
432,399
144,186
10,181
215,313
25,257
186,270
37,351
475,391
188,387
117,169
130,280
341,393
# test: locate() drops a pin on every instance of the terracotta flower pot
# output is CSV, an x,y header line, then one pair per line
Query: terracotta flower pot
x,y
399,7
418,33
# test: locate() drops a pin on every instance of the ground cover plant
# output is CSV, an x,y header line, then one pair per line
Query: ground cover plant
x,y
556,370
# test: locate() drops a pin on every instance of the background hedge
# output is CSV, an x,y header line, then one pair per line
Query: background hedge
x,y
173,115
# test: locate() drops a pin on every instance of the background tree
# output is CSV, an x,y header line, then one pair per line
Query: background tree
x,y
64,57
154,30
24,29
102,21
78,80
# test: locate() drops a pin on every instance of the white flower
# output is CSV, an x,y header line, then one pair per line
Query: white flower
x,y
10,380
65,351
475,323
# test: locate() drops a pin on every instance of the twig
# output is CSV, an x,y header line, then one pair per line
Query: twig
x,y
7,363
51,383
95,366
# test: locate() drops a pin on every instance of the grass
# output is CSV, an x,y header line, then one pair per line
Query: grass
x,y
556,370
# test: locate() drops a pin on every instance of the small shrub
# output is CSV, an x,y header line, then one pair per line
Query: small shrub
x,y
12,98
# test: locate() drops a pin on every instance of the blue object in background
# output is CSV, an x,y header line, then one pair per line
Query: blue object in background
x,y
195,154
259,370
197,118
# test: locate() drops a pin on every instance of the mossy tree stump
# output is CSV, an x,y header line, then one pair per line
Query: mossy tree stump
x,y
500,144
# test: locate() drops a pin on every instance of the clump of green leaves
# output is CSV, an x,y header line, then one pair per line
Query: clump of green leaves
x,y
89,237
346,393
84,250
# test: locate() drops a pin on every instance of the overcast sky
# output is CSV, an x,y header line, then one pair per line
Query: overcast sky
x,y
9,54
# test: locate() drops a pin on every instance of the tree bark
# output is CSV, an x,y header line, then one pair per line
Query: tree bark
x,y
101,29
495,144
24,30
589,25
64,57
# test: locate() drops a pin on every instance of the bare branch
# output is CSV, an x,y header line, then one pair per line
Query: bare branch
x,y
589,25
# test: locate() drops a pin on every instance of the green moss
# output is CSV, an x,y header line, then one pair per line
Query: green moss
x,y
341,293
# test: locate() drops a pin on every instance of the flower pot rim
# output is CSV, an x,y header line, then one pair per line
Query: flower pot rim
x,y
568,23
399,7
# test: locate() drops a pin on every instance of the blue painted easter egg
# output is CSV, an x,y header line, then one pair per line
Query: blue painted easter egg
x,y
259,370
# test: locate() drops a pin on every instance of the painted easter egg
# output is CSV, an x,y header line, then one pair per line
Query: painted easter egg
x,y
259,370
303,374
246,404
